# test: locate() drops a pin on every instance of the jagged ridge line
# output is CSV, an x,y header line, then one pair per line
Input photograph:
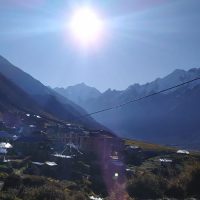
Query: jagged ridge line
x,y
140,98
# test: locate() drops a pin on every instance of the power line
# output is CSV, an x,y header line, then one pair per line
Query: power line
x,y
139,99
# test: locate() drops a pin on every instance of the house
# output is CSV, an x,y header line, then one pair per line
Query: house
x,y
182,151
132,148
5,145
165,160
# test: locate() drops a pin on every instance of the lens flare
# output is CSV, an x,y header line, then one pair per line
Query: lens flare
x,y
86,26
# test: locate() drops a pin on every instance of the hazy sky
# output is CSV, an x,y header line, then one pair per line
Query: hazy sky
x,y
142,40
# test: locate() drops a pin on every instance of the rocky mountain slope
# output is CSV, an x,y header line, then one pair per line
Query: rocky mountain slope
x,y
48,100
79,93
169,118
13,98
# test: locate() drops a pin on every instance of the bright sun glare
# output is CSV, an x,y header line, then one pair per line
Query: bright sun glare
x,y
86,26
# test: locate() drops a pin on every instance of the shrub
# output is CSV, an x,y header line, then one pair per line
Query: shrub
x,y
33,181
79,196
145,187
3,175
176,191
44,193
12,181
8,196
193,186
6,169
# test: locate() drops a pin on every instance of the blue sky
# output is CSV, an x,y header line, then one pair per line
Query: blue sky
x,y
143,40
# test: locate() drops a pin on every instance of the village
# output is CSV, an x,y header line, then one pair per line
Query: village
x,y
32,145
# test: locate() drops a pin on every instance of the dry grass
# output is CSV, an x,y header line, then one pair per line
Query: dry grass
x,y
149,146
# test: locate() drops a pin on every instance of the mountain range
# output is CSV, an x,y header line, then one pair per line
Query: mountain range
x,y
21,91
79,93
171,118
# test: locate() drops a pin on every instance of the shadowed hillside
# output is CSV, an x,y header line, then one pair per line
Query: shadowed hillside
x,y
171,118
50,101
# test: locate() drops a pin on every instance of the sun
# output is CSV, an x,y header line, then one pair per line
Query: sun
x,y
85,25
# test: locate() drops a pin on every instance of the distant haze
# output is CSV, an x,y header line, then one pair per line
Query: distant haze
x,y
172,117
143,40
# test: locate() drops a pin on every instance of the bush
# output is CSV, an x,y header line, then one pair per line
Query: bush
x,y
3,175
6,169
193,186
8,196
33,181
44,193
176,191
12,181
146,187
78,196
52,192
